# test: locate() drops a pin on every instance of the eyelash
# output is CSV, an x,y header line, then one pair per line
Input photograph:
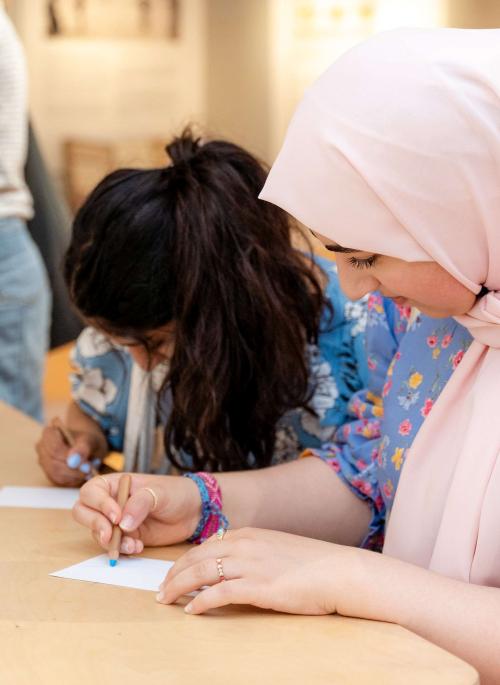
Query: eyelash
x,y
363,263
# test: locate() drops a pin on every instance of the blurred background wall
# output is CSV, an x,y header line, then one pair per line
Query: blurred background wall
x,y
111,80
104,89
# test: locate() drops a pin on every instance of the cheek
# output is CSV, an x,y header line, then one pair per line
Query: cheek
x,y
165,353
448,297
431,289
355,283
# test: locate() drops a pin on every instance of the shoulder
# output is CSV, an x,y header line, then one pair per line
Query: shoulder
x,y
93,349
93,343
100,375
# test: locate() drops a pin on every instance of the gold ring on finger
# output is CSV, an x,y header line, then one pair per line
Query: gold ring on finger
x,y
220,570
104,479
154,496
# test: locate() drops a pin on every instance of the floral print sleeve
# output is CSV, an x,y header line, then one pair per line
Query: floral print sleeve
x,y
338,368
100,383
411,358
353,452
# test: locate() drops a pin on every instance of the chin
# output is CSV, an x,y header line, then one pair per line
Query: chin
x,y
435,313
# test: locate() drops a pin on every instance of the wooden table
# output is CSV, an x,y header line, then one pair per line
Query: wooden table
x,y
55,631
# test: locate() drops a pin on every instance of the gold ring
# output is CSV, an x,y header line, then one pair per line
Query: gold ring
x,y
220,570
107,484
154,496
220,533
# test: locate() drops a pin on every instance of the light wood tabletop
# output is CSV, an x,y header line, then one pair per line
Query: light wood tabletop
x,y
56,631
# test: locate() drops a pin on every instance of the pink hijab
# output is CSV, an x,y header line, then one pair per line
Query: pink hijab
x,y
396,150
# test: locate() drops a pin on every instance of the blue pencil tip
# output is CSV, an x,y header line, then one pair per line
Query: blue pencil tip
x,y
112,562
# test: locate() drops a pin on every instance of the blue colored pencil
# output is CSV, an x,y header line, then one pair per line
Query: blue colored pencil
x,y
116,537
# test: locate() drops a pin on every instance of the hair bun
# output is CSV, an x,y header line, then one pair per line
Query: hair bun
x,y
183,148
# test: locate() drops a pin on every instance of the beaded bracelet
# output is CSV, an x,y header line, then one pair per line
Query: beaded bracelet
x,y
212,517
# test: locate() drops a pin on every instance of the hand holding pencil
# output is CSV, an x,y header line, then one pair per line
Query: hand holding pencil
x,y
67,460
161,510
116,536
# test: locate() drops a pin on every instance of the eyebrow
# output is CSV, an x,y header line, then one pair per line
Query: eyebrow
x,y
333,247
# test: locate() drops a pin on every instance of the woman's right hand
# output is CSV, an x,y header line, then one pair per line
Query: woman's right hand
x,y
172,520
65,465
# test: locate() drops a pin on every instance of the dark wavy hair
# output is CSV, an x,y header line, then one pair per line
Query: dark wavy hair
x,y
192,244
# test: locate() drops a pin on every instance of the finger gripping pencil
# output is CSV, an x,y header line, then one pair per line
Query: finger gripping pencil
x,y
116,537
68,439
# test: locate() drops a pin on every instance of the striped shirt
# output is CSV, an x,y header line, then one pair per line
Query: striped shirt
x,y
15,199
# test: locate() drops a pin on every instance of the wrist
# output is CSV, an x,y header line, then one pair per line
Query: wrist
x,y
212,517
376,586
193,506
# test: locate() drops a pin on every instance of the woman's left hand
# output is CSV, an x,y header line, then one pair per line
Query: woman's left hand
x,y
265,568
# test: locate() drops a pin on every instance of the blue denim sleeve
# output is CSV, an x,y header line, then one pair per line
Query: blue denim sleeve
x,y
100,383
353,451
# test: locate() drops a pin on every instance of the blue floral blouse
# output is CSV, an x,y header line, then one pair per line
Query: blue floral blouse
x,y
338,368
411,357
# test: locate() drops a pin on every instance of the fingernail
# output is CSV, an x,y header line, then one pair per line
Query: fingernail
x,y
188,608
85,467
74,460
101,537
127,523
160,596
113,517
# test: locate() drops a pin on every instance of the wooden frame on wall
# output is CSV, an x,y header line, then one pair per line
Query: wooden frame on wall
x,y
113,19
87,162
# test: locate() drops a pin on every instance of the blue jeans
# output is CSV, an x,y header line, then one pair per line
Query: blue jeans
x,y
24,318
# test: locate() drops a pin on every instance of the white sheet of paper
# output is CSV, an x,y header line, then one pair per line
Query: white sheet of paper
x,y
38,498
137,572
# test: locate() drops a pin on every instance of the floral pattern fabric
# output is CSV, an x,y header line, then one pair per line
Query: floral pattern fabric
x,y
338,368
411,357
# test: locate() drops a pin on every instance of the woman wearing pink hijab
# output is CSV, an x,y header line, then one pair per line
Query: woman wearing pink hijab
x,y
393,158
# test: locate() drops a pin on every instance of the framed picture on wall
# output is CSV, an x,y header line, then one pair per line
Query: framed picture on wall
x,y
86,162
113,19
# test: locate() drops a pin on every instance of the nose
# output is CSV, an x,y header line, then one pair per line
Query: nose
x,y
140,356
355,282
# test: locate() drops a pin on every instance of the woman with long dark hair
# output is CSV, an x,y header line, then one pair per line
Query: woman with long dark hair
x,y
205,321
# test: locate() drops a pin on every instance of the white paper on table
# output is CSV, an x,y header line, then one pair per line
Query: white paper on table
x,y
137,572
38,498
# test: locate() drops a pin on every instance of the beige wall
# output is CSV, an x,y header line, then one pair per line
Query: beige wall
x,y
239,68
238,78
301,50
260,58
474,13
111,89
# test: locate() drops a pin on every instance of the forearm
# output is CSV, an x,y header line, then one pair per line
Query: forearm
x,y
304,497
462,618
78,422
